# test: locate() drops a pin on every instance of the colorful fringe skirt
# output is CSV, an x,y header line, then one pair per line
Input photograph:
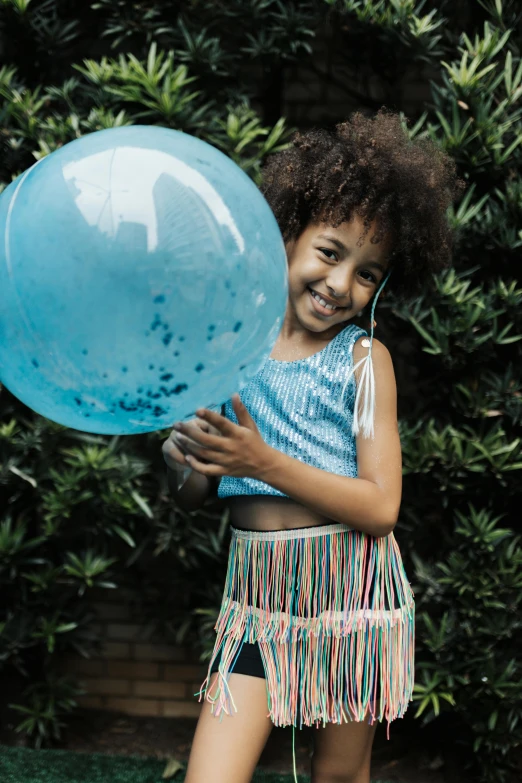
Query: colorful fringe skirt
x,y
332,611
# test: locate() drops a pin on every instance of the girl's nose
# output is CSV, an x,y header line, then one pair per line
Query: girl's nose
x,y
340,286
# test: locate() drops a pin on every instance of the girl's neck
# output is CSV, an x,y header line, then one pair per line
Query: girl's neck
x,y
296,345
293,333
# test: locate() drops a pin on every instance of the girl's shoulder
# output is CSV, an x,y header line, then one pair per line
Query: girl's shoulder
x,y
382,361
361,347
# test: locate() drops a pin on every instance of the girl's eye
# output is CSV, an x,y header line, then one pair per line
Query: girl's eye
x,y
371,279
333,254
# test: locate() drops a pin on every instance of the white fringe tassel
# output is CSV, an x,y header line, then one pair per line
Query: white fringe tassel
x,y
364,408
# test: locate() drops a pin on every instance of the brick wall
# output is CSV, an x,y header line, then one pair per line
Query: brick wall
x,y
135,673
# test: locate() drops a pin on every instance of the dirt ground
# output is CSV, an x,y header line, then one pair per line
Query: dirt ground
x,y
396,761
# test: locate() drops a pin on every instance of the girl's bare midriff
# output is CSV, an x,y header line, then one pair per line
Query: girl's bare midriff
x,y
269,512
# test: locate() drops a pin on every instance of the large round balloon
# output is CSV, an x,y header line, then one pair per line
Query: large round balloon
x,y
142,275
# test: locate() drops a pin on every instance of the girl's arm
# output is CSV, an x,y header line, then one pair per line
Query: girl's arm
x,y
369,503
194,492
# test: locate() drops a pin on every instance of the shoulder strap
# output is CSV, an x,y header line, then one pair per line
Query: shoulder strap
x,y
357,331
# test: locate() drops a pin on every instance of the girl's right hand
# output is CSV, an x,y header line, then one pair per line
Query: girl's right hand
x,y
173,452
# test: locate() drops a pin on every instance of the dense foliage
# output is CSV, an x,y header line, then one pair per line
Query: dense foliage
x,y
79,511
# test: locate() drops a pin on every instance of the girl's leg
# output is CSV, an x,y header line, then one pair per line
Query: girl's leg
x,y
342,753
226,749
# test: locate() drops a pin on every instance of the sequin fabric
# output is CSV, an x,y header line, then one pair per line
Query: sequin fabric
x,y
300,410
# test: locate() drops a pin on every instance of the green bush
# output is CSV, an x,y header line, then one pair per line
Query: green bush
x,y
84,512
461,435
80,511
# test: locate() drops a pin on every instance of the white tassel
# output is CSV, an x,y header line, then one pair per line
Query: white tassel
x,y
364,408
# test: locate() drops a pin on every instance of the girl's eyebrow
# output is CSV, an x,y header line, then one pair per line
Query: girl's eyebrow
x,y
376,265
339,244
334,241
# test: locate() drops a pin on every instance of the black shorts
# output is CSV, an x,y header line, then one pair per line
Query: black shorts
x,y
248,661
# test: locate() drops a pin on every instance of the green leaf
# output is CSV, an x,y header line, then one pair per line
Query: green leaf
x,y
142,503
172,767
435,347
125,535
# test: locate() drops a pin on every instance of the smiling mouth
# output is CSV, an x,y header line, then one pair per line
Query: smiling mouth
x,y
326,308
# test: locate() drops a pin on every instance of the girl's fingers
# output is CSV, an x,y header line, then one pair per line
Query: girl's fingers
x,y
178,445
172,454
206,427
198,450
196,434
203,425
204,468
222,424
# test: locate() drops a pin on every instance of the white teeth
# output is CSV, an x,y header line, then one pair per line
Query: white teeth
x,y
322,302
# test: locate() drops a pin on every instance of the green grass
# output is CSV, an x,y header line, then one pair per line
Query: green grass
x,y
23,765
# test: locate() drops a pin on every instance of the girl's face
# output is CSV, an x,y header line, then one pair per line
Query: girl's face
x,y
328,262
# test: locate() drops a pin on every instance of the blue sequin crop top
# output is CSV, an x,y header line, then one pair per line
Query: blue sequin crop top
x,y
299,410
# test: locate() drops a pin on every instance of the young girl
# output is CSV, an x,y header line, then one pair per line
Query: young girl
x,y
316,626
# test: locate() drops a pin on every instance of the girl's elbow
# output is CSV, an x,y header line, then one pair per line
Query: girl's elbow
x,y
385,520
378,527
388,523
385,531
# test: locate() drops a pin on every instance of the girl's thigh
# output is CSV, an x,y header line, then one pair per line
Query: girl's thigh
x,y
226,749
342,752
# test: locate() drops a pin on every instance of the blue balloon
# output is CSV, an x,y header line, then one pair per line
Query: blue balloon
x,y
142,276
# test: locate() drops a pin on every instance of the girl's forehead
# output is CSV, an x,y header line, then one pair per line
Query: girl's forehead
x,y
355,225
351,233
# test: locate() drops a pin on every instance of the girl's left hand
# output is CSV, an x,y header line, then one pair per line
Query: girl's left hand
x,y
238,451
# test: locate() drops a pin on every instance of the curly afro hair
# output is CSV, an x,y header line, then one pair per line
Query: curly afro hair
x,y
371,168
